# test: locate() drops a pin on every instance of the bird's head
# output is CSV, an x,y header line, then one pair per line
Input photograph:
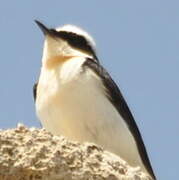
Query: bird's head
x,y
65,42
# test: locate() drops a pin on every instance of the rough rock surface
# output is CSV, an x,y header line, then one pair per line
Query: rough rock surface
x,y
35,154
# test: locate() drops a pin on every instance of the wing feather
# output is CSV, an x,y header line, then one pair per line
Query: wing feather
x,y
35,91
116,98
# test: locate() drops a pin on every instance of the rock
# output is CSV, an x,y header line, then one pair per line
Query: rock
x,y
35,154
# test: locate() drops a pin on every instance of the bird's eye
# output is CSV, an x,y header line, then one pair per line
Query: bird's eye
x,y
74,40
54,32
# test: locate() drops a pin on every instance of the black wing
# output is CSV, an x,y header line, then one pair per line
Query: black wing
x,y
35,91
118,101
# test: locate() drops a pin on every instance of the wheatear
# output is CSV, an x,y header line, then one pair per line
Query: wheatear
x,y
76,97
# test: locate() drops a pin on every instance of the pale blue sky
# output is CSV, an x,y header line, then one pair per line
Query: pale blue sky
x,y
137,41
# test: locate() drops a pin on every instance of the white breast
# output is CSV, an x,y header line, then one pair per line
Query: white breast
x,y
72,102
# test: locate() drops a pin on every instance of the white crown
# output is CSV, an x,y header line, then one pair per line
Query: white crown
x,y
79,31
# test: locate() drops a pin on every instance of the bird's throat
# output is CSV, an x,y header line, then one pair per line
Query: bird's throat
x,y
53,62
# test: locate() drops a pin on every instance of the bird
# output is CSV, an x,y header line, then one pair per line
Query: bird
x,y
76,97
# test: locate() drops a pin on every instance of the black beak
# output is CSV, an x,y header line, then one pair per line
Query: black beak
x,y
44,29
